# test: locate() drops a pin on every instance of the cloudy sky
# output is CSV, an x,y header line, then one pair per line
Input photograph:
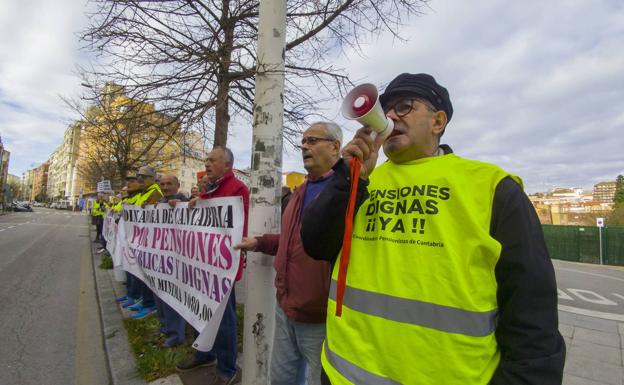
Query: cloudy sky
x,y
537,86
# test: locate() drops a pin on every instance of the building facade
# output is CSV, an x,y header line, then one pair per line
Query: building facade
x,y
40,183
604,191
4,172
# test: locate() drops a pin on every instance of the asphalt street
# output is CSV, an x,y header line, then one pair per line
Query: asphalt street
x,y
599,290
51,330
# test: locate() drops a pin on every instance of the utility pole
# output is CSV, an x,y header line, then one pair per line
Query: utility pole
x,y
265,194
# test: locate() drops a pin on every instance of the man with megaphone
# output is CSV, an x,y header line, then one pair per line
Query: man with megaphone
x,y
441,273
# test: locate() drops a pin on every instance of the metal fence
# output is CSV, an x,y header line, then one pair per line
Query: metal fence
x,y
582,243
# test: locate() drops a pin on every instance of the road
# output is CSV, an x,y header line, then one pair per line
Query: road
x,y
593,290
51,330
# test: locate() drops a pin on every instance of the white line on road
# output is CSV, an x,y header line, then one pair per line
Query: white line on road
x,y
594,274
1,230
617,295
592,313
10,227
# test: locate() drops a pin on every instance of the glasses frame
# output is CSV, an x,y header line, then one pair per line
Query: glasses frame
x,y
422,101
313,140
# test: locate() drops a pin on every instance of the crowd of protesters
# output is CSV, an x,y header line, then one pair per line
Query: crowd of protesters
x,y
472,300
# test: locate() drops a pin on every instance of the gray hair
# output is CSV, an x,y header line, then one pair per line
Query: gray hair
x,y
229,156
333,130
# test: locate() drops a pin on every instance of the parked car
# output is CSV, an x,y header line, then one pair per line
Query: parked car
x,y
38,204
21,207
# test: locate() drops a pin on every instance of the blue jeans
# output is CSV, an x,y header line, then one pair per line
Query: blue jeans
x,y
296,350
224,348
134,291
171,323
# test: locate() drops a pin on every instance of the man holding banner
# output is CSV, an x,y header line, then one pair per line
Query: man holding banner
x,y
302,283
222,183
172,324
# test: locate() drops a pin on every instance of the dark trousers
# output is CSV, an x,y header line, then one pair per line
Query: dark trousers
x,y
134,291
171,323
99,224
224,348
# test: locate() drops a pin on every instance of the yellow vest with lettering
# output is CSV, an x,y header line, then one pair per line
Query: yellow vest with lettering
x,y
420,303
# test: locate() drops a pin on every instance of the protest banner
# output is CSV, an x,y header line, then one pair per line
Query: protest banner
x,y
109,230
185,256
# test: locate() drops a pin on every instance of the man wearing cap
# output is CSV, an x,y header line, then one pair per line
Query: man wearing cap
x,y
150,194
133,284
448,280
151,191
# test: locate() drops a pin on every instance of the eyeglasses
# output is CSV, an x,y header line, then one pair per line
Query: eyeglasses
x,y
312,140
405,106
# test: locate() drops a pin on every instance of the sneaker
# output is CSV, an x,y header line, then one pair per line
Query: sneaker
x,y
137,306
226,380
123,298
100,251
128,303
192,362
144,312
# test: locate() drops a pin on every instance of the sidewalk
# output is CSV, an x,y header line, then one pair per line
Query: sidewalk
x,y
595,350
595,347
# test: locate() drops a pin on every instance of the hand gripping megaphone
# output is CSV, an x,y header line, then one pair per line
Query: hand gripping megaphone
x,y
362,104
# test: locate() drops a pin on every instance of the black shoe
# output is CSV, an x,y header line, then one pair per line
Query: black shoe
x,y
227,380
192,362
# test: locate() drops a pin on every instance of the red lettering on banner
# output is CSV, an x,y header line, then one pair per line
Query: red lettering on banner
x,y
157,236
225,252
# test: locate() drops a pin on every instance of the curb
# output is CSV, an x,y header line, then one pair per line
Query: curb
x,y
121,362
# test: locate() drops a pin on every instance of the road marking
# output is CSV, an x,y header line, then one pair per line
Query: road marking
x,y
590,296
1,230
562,294
10,227
592,313
594,274
617,295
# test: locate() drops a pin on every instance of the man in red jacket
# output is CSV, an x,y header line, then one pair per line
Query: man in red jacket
x,y
302,283
221,183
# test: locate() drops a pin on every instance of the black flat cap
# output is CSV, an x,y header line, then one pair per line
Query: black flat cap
x,y
421,85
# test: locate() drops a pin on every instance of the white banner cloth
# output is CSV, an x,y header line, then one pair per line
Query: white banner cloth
x,y
185,256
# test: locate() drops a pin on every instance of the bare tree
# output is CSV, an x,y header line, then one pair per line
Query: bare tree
x,y
120,134
196,59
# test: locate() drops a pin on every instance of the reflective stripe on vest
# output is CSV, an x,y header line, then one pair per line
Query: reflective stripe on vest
x,y
420,304
443,318
354,373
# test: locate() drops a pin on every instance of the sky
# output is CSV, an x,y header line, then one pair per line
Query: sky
x,y
537,86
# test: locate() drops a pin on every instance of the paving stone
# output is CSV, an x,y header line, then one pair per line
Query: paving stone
x,y
608,354
599,324
569,379
173,379
566,330
597,337
601,372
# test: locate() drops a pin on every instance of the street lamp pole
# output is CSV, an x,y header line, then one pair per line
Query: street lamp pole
x,y
266,181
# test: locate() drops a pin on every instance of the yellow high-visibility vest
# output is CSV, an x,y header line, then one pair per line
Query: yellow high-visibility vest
x,y
97,210
420,303
143,197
